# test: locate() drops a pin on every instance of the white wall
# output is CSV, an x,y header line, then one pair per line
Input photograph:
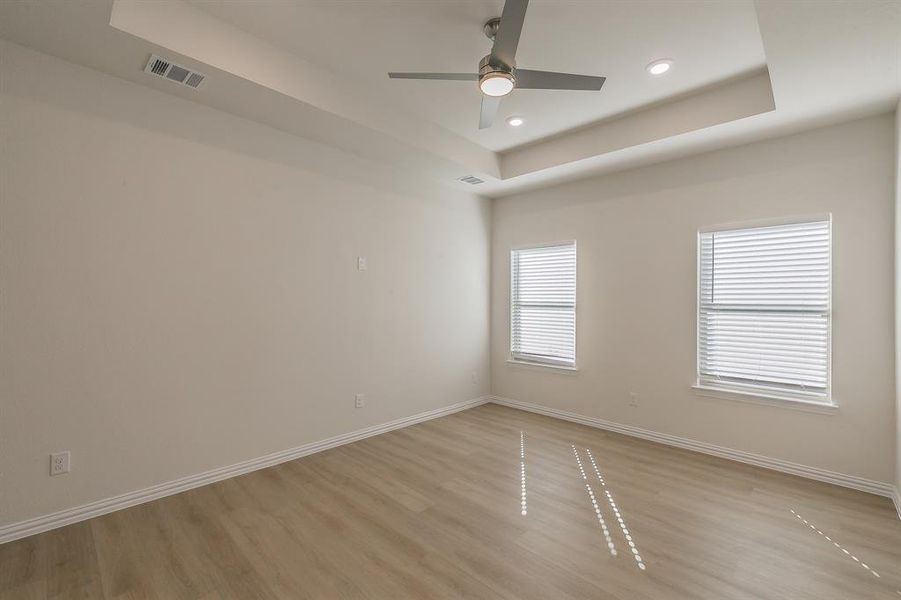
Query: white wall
x,y
898,308
636,235
179,288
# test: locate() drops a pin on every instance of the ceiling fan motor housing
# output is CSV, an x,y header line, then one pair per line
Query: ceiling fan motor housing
x,y
495,69
490,27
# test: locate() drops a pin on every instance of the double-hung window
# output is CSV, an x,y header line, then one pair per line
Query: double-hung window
x,y
543,304
764,310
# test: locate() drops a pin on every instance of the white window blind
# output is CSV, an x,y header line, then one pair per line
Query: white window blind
x,y
764,310
543,304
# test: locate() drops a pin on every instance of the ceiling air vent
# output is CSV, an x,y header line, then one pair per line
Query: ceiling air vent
x,y
472,180
168,70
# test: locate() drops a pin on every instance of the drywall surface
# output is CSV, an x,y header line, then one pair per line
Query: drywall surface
x,y
180,288
636,299
898,308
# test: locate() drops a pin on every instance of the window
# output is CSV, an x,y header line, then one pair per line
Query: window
x,y
543,304
764,298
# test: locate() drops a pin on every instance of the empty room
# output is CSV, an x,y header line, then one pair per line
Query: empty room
x,y
482,299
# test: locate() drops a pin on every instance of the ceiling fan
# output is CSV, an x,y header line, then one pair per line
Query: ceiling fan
x,y
498,75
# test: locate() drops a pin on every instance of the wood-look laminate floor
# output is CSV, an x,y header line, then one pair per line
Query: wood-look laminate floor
x,y
435,511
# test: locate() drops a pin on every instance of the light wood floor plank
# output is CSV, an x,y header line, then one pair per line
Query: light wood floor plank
x,y
433,511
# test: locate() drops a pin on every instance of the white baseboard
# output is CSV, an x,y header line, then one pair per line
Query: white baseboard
x,y
68,516
896,497
850,481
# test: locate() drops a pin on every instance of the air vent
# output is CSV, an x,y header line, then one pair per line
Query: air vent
x,y
472,180
168,70
194,80
158,66
177,73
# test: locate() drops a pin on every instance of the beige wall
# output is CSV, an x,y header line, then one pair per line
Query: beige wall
x,y
179,288
636,235
898,308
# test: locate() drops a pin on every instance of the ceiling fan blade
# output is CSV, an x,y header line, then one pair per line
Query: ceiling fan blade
x,y
550,80
490,105
507,37
438,76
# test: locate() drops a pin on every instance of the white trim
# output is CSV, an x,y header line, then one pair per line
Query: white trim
x,y
541,365
896,497
709,391
850,481
767,222
543,244
75,514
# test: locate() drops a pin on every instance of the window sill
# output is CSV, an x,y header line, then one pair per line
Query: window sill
x,y
710,391
538,365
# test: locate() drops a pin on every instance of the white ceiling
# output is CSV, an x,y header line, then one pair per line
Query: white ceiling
x,y
287,64
710,41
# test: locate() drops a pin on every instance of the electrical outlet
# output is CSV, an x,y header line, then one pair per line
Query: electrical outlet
x,y
59,462
475,377
633,399
359,401
362,263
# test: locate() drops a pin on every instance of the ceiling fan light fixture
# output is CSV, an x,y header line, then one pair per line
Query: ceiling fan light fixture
x,y
497,84
659,67
498,74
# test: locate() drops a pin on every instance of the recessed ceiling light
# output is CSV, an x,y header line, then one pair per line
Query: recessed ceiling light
x,y
659,67
515,121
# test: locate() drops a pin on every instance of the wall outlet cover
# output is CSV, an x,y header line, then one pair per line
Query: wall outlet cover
x,y
60,462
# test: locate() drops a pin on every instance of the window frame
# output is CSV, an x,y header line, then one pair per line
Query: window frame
x,y
770,394
536,361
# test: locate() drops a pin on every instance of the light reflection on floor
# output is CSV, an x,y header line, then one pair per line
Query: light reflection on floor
x,y
836,544
619,517
522,472
597,505
594,502
595,465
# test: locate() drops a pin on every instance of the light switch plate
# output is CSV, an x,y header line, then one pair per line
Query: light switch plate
x,y
362,263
